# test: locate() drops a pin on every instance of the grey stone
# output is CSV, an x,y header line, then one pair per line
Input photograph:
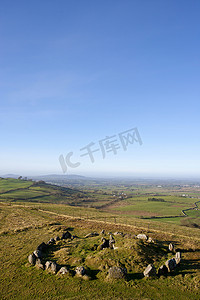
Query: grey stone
x,y
117,273
171,264
102,231
57,238
178,255
150,271
178,258
171,247
80,270
32,259
142,236
48,264
54,267
63,271
39,264
163,270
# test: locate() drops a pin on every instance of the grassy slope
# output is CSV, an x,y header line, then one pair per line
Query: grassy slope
x,y
29,227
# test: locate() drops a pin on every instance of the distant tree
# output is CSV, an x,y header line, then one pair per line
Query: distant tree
x,y
20,177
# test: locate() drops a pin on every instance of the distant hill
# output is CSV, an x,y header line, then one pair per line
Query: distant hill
x,y
12,190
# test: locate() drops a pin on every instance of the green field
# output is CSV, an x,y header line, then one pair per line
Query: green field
x,y
34,212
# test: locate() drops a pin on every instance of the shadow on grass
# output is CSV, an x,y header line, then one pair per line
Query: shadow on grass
x,y
134,276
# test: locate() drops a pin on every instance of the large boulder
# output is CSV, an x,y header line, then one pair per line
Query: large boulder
x,y
66,235
162,271
32,259
150,271
80,271
117,273
171,264
42,247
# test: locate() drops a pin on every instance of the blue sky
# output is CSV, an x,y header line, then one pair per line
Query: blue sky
x,y
74,72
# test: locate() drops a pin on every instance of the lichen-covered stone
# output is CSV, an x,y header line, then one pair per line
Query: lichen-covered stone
x,y
117,273
32,259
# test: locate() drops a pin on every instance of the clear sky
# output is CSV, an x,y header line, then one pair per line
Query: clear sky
x,y
76,72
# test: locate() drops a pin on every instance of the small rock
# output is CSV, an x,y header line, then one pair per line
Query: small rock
x,y
80,271
118,233
51,241
66,235
171,264
102,231
57,238
171,247
150,240
63,271
150,271
163,270
117,273
142,236
32,259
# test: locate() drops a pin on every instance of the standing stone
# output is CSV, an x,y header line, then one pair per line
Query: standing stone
x,y
178,258
32,259
171,264
171,247
150,271
162,271
117,273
